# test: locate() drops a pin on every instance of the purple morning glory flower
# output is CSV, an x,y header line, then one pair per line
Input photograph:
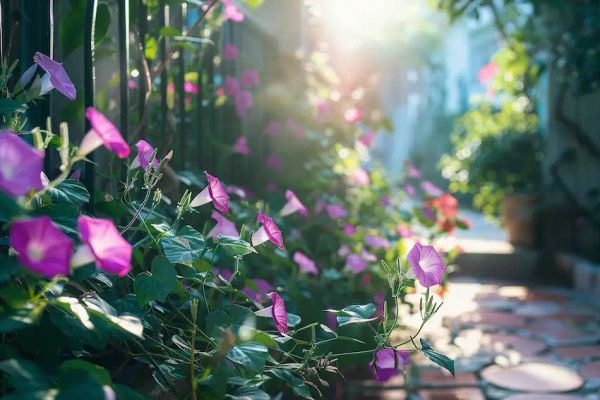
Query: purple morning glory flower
x,y
57,75
268,231
388,362
20,165
306,264
293,205
427,264
224,227
41,246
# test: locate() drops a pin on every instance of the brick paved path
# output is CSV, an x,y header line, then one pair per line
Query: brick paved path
x,y
509,342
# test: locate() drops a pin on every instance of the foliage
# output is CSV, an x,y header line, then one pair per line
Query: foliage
x,y
188,314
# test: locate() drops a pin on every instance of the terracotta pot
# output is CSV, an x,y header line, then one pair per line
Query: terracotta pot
x,y
519,218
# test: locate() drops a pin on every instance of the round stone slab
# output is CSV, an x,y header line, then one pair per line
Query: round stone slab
x,y
538,308
544,396
533,377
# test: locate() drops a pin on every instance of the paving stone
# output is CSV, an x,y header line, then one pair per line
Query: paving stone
x,y
559,333
473,341
590,370
538,308
452,394
492,318
577,352
556,295
533,377
438,376
498,304
514,292
544,396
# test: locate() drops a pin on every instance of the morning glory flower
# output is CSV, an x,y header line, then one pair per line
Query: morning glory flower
x,y
358,176
388,362
231,12
231,86
487,73
41,246
427,265
344,250
20,165
306,264
431,189
277,311
377,242
352,115
191,87
243,102
367,256
429,213
103,244
103,132
404,230
250,77
293,205
230,51
268,231
367,139
412,169
263,287
274,162
224,227
214,192
274,128
144,152
335,211
56,74
349,229
356,263
410,189
241,146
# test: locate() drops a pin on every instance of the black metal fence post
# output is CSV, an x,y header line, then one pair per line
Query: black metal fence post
x,y
89,88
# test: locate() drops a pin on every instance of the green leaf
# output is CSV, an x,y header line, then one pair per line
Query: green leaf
x,y
248,393
169,31
24,375
126,393
156,285
9,208
185,247
254,3
151,48
71,26
298,386
102,375
440,359
8,266
234,246
70,191
10,106
249,355
355,314
293,320
233,317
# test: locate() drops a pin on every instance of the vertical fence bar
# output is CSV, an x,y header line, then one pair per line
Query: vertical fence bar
x,y
179,141
123,66
143,28
163,18
89,87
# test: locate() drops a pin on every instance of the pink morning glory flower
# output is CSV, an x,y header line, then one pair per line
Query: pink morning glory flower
x,y
243,102
56,74
349,229
224,227
190,87
335,211
487,73
306,264
41,246
388,362
293,205
231,86
367,256
352,115
263,287
377,242
230,51
241,146
277,311
102,244
274,128
231,12
358,176
238,191
403,230
132,84
323,108
250,77
410,189
427,264
431,189
344,250
20,165
429,213
367,139
214,192
268,231
412,169
103,132
356,263
274,162
296,129
144,152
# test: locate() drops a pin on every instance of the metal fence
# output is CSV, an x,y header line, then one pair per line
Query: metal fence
x,y
115,81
